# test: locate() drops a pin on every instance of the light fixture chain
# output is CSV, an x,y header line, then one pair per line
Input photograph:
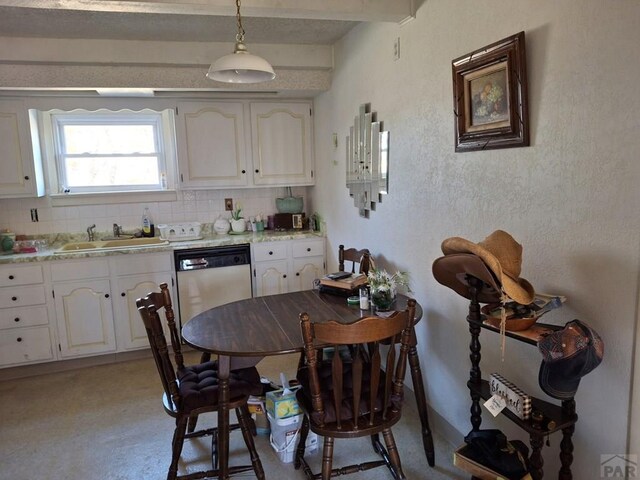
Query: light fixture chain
x,y
240,35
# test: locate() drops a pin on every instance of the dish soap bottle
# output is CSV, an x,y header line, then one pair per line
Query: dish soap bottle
x,y
148,229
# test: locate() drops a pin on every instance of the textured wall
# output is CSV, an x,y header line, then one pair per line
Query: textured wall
x,y
571,198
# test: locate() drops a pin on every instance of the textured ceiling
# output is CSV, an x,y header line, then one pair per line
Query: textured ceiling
x,y
50,23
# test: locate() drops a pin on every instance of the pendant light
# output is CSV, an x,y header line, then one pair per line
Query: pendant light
x,y
241,66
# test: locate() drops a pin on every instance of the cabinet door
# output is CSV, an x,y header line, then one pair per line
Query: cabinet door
x,y
17,171
211,144
305,271
281,143
271,278
129,326
84,317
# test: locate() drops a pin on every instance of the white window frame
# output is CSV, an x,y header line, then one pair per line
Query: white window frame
x,y
52,122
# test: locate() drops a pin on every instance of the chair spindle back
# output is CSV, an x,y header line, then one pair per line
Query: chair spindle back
x,y
374,394
148,307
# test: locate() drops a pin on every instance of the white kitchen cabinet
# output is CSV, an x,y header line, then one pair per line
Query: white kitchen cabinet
x,y
25,345
20,167
135,277
271,278
85,317
84,313
212,144
25,334
287,265
282,147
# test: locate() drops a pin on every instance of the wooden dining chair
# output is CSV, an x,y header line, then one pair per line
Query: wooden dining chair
x,y
354,397
360,257
192,390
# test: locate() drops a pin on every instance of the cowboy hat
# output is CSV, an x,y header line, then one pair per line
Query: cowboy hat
x,y
454,270
503,255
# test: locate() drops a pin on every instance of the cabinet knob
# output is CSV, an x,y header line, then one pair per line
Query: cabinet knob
x,y
106,295
17,319
284,276
257,171
14,299
19,339
270,253
123,294
308,249
26,177
297,274
11,277
244,171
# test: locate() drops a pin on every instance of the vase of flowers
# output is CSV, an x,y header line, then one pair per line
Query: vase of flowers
x,y
383,287
237,222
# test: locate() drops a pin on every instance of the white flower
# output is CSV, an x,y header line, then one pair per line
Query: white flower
x,y
383,281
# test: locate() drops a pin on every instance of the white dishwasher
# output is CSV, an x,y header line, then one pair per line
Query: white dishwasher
x,y
209,277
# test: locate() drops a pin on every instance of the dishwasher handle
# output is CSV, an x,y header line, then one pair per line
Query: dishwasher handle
x,y
193,264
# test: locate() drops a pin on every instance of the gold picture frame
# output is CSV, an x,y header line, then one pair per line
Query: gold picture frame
x,y
490,96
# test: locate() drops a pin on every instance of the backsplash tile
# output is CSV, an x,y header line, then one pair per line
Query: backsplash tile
x,y
202,206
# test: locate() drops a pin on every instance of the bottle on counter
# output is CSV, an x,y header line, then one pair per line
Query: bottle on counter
x,y
148,228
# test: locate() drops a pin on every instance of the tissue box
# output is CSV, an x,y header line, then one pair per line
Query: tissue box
x,y
283,406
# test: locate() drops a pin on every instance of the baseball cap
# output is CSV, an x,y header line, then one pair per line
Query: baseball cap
x,y
567,356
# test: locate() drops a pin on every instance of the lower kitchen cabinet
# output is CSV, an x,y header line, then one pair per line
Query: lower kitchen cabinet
x,y
95,301
22,345
85,317
135,276
271,277
25,333
287,266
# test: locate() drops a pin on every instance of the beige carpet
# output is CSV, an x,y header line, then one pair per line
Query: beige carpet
x,y
107,422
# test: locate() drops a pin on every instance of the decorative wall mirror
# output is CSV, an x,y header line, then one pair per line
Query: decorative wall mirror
x,y
367,161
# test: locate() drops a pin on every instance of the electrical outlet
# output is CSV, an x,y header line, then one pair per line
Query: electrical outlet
x,y
396,49
34,214
228,204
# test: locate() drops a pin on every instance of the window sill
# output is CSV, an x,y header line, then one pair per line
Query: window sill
x,y
73,199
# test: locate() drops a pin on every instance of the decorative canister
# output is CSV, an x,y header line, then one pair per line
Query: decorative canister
x,y
221,226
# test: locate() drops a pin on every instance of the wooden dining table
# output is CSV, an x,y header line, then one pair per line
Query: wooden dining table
x,y
241,333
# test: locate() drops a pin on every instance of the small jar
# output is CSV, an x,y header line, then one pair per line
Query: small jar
x,y
364,298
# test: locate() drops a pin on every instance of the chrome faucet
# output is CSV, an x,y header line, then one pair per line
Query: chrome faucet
x,y
91,233
117,230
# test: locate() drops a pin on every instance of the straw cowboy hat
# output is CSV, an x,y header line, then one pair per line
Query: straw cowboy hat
x,y
503,255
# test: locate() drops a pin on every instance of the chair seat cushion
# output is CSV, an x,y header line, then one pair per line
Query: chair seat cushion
x,y
326,392
198,384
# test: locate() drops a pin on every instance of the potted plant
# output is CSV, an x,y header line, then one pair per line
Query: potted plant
x,y
383,287
237,221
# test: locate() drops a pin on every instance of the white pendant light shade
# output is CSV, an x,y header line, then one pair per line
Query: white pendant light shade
x,y
241,67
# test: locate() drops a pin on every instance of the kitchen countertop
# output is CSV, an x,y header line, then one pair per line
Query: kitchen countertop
x,y
208,240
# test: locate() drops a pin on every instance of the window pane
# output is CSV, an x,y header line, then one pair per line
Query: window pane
x,y
101,139
110,171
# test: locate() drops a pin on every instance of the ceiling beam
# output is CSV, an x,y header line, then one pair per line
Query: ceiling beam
x,y
353,10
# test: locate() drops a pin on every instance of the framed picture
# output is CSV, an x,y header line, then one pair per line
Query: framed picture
x,y
490,97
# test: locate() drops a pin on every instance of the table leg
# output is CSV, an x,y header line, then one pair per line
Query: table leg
x,y
421,401
223,416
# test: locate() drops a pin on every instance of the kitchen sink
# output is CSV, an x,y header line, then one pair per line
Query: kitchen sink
x,y
101,245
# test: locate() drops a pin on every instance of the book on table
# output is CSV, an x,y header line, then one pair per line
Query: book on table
x,y
350,282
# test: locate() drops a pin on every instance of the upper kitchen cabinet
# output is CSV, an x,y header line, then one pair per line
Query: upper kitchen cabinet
x,y
212,144
281,143
20,166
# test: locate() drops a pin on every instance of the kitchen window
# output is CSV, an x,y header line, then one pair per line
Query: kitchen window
x,y
107,152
